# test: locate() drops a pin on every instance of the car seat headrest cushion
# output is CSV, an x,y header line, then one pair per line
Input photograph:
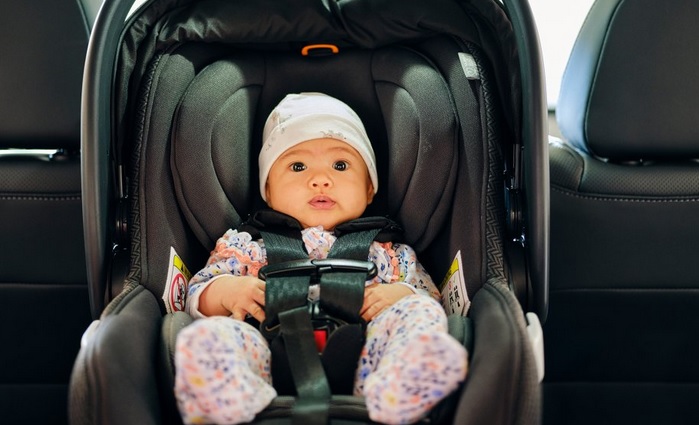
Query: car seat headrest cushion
x,y
630,89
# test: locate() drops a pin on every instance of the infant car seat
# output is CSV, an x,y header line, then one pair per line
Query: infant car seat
x,y
173,114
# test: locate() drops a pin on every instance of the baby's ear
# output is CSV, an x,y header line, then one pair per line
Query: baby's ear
x,y
267,192
370,193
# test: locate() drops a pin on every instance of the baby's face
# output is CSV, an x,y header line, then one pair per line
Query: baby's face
x,y
321,182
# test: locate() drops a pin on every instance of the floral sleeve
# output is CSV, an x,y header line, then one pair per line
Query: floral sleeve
x,y
398,263
235,254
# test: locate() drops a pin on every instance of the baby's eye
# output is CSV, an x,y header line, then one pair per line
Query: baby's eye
x,y
340,165
298,166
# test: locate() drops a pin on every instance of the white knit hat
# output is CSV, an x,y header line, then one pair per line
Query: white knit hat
x,y
308,116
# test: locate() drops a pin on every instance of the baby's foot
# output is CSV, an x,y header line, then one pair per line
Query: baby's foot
x,y
214,383
409,382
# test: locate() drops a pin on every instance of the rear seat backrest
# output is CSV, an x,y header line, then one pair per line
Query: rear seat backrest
x,y
42,273
620,338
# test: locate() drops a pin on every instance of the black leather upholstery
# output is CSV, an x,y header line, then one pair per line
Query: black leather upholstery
x,y
630,87
624,289
43,288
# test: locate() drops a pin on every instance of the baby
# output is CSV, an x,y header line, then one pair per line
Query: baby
x,y
317,166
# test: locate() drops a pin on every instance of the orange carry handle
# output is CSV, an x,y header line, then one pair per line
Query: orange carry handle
x,y
307,49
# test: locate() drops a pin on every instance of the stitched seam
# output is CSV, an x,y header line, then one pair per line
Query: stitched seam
x,y
619,199
614,383
612,290
39,198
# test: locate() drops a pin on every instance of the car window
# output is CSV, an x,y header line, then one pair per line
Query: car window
x,y
558,23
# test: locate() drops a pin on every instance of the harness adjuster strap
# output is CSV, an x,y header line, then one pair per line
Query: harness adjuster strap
x,y
312,386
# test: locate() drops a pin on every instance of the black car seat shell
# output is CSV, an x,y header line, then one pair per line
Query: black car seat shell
x,y
620,338
194,82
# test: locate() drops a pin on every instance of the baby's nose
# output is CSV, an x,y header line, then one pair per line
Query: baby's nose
x,y
321,180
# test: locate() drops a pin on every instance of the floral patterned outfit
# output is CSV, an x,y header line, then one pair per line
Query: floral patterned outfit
x,y
408,362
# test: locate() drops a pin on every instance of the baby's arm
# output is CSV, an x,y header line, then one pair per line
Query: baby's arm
x,y
228,285
378,297
234,296
397,264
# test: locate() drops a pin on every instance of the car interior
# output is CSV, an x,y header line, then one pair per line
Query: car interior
x,y
440,88
129,134
624,181
43,281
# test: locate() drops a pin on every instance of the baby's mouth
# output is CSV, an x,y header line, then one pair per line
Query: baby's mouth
x,y
322,202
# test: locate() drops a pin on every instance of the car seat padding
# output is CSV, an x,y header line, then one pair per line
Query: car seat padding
x,y
215,139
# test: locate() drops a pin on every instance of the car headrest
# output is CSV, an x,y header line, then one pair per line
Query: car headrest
x,y
42,46
630,88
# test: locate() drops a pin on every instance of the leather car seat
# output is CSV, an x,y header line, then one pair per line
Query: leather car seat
x,y
43,285
620,337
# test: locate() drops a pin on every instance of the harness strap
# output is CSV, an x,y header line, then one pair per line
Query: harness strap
x,y
288,292
342,293
283,244
285,302
312,386
287,315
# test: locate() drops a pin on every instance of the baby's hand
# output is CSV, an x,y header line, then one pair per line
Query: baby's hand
x,y
378,297
234,296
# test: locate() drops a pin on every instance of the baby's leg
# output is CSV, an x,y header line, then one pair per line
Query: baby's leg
x,y
222,372
409,362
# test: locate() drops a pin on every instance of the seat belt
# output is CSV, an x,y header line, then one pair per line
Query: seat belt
x,y
287,315
288,275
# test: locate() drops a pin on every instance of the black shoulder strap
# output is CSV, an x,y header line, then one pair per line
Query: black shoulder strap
x,y
389,230
342,288
269,220
274,221
342,291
